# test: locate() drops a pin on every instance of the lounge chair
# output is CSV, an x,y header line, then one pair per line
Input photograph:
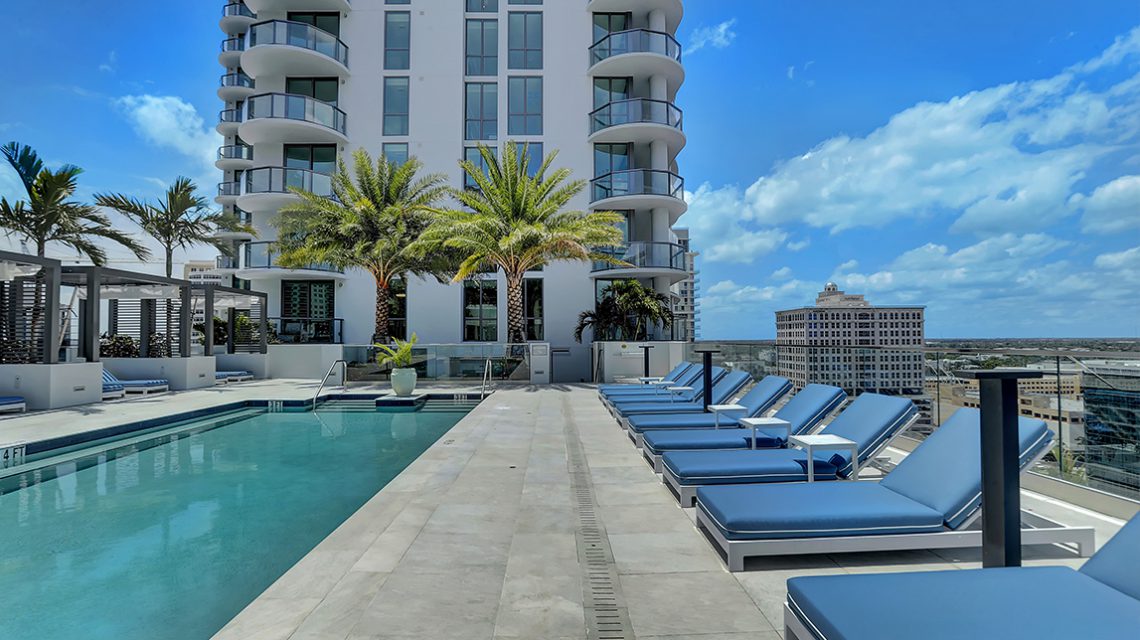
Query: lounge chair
x,y
144,387
1101,600
724,389
12,404
678,371
112,390
693,378
224,377
870,422
928,501
803,412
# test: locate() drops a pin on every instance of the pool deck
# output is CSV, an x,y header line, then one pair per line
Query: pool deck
x,y
488,536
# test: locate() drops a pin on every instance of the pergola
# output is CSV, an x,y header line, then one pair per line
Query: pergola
x,y
29,308
96,284
214,298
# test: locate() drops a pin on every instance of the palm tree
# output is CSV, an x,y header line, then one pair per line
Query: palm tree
x,y
51,215
371,222
514,221
180,220
625,311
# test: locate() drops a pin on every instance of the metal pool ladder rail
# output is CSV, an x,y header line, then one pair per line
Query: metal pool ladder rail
x,y
486,379
343,379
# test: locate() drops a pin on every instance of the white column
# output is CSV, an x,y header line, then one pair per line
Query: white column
x,y
658,88
657,20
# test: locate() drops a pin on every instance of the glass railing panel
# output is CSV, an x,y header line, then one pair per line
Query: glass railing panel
x,y
637,110
306,330
295,107
236,79
655,255
233,45
297,34
635,41
230,115
637,182
235,9
235,152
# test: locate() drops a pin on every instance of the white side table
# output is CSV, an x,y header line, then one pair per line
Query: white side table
x,y
767,423
717,408
662,384
675,391
650,379
826,441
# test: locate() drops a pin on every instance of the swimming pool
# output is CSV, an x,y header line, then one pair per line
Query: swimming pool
x,y
170,534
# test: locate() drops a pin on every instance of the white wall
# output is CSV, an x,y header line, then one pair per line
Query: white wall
x,y
183,373
52,386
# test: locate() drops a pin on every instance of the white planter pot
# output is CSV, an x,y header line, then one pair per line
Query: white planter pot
x,y
403,382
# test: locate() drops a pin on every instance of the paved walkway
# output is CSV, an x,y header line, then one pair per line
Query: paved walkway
x,y
482,538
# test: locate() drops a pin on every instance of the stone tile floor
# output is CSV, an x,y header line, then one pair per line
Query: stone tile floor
x,y
476,539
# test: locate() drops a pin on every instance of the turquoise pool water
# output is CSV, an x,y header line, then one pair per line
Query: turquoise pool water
x,y
169,536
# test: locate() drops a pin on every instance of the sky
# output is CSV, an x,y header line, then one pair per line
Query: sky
x,y
979,157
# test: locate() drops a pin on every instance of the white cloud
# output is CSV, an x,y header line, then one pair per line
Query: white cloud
x,y
712,219
792,72
799,245
111,63
1112,207
847,266
172,123
1128,259
783,273
719,36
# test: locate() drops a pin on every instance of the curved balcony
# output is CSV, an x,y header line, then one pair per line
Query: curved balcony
x,y
228,121
270,188
236,18
228,192
672,9
638,53
281,47
640,121
343,6
234,157
225,265
644,260
235,86
230,55
288,118
639,189
259,261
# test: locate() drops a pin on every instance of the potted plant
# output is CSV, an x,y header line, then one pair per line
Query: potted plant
x,y
400,359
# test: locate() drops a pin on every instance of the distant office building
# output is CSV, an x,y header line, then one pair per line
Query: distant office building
x,y
1112,427
202,272
686,293
846,341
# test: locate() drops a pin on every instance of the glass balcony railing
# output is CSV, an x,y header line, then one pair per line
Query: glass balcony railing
x,y
306,330
264,255
225,262
295,107
237,9
232,189
645,255
637,182
284,180
235,152
230,115
236,79
243,217
233,45
297,34
635,41
636,110
467,362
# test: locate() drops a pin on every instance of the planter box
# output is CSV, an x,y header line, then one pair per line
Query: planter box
x,y
52,386
196,372
255,363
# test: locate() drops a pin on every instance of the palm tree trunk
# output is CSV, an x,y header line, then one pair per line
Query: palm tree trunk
x,y
516,325
380,333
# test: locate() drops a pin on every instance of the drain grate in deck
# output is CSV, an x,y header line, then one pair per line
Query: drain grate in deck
x,y
606,615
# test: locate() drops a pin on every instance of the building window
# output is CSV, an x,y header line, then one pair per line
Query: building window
x,y
482,47
524,106
398,309
323,89
524,41
533,309
395,152
395,106
607,90
472,155
315,157
530,153
482,6
481,110
329,22
607,23
480,311
611,157
397,39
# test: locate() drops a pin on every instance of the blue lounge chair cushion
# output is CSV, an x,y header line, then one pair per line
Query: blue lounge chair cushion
x,y
723,390
811,405
109,387
945,472
660,441
233,374
690,378
109,378
1043,603
636,408
759,399
1115,564
672,375
220,375
754,512
5,400
870,421
743,467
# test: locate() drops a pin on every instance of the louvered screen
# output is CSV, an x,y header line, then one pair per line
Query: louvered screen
x,y
130,322
22,321
247,335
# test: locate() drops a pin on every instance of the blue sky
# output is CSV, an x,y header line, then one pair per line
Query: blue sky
x,y
978,157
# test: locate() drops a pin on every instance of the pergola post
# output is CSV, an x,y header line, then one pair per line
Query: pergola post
x,y
231,335
263,324
185,320
52,318
146,326
89,317
208,310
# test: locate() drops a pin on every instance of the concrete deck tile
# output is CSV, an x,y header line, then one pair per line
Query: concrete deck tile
x,y
669,552
690,603
339,612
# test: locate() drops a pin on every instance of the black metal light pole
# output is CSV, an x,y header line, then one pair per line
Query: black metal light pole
x,y
1001,473
645,358
707,373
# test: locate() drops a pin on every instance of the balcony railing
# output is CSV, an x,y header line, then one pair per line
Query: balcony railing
x,y
645,255
306,330
264,255
235,152
635,110
295,107
235,9
297,34
236,79
636,182
229,115
225,262
233,45
635,41
229,188
284,180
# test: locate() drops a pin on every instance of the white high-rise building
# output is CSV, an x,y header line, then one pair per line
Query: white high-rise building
x,y
309,81
686,306
847,342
